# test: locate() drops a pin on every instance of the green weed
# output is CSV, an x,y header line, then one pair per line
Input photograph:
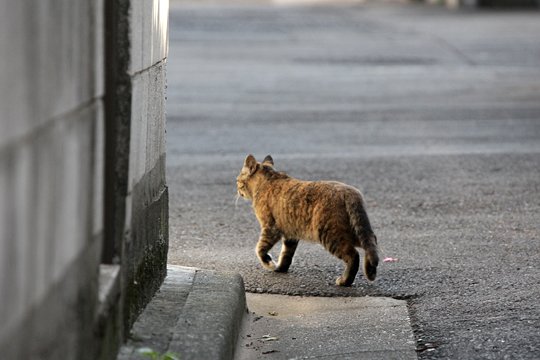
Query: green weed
x,y
154,355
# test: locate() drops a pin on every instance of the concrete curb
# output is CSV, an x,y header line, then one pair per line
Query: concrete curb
x,y
196,314
210,322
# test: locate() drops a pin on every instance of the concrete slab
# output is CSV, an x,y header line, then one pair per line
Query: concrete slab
x,y
297,327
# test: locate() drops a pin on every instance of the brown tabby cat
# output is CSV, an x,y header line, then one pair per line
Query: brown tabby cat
x,y
327,212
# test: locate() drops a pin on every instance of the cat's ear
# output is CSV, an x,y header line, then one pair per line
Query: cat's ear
x,y
251,164
268,160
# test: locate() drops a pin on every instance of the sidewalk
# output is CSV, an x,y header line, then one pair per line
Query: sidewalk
x,y
281,327
201,314
196,314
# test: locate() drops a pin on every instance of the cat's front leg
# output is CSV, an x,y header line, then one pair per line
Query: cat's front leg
x,y
269,236
287,252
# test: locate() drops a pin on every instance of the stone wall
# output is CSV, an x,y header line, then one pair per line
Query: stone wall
x,y
67,152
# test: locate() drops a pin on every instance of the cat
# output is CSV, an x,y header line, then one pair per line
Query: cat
x,y
328,212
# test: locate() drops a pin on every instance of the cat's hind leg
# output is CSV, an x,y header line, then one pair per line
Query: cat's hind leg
x,y
342,247
287,252
352,261
267,239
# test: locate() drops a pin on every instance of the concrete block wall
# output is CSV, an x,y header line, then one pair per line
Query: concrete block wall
x,y
149,41
55,128
51,160
150,34
144,253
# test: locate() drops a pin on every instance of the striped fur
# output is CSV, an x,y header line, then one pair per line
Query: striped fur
x,y
328,212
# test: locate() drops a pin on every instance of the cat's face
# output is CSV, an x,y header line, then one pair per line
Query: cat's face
x,y
247,172
242,184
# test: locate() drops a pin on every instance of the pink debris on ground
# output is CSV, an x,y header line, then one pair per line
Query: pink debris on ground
x,y
390,259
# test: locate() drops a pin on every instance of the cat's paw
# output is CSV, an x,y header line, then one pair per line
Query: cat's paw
x,y
340,281
270,265
267,262
281,268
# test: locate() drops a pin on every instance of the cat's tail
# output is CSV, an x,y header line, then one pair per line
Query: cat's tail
x,y
365,236
371,258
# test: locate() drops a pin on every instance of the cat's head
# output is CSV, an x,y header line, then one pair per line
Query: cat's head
x,y
245,182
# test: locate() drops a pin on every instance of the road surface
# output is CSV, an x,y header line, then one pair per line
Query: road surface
x,y
434,114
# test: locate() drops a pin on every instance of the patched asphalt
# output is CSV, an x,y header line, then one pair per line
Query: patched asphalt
x,y
433,114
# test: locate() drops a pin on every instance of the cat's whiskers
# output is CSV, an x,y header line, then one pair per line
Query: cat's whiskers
x,y
236,201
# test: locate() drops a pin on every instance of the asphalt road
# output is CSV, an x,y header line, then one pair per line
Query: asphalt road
x,y
433,114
